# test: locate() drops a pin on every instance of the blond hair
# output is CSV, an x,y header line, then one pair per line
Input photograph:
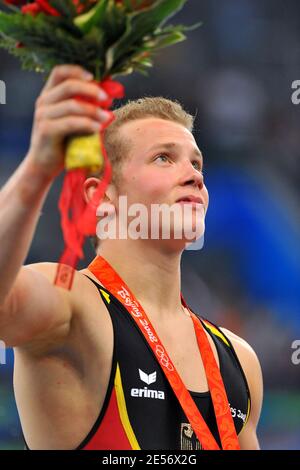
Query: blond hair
x,y
117,147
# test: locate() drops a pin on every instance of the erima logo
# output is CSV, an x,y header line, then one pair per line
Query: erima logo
x,y
145,392
148,379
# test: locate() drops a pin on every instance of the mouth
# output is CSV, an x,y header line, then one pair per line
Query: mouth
x,y
190,199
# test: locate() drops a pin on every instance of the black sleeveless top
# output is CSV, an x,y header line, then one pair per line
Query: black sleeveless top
x,y
140,410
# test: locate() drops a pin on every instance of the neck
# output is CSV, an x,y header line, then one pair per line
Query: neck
x,y
151,274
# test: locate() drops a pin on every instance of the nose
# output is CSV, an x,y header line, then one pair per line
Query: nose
x,y
192,177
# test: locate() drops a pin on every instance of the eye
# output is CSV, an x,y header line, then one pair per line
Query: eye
x,y
164,158
197,165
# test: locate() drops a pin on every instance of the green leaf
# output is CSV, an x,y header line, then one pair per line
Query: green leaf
x,y
47,44
108,39
93,17
140,24
65,8
115,22
169,40
5,21
127,5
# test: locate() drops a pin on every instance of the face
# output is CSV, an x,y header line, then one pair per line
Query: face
x,y
164,165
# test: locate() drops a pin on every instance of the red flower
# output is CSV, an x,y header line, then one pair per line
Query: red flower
x,y
79,6
31,9
42,6
46,8
39,6
15,2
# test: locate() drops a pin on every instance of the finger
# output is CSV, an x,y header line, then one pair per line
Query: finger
x,y
65,127
70,88
70,108
62,72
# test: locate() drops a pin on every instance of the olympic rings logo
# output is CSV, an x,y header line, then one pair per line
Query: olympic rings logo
x,y
163,358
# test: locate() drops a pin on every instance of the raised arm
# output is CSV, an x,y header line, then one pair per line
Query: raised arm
x,y
30,305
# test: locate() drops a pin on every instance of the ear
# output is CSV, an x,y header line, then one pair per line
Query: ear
x,y
89,187
91,184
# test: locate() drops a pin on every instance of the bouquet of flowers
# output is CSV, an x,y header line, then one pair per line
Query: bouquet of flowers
x,y
109,38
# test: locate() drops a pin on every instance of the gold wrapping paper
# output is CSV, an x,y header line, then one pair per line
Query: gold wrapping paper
x,y
84,152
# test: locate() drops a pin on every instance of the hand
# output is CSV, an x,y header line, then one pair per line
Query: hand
x,y
58,114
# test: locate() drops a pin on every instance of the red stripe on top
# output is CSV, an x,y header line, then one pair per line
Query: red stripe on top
x,y
110,434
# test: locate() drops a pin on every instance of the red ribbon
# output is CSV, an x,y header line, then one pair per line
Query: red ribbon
x,y
78,219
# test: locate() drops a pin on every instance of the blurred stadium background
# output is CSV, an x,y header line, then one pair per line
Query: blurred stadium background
x,y
235,73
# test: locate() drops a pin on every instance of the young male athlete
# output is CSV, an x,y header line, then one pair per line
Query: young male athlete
x,y
95,365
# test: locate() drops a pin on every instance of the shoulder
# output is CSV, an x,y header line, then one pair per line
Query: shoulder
x,y
246,354
60,288
72,284
61,275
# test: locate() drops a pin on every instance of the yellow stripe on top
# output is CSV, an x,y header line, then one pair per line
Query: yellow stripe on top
x,y
123,411
248,413
216,332
106,296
